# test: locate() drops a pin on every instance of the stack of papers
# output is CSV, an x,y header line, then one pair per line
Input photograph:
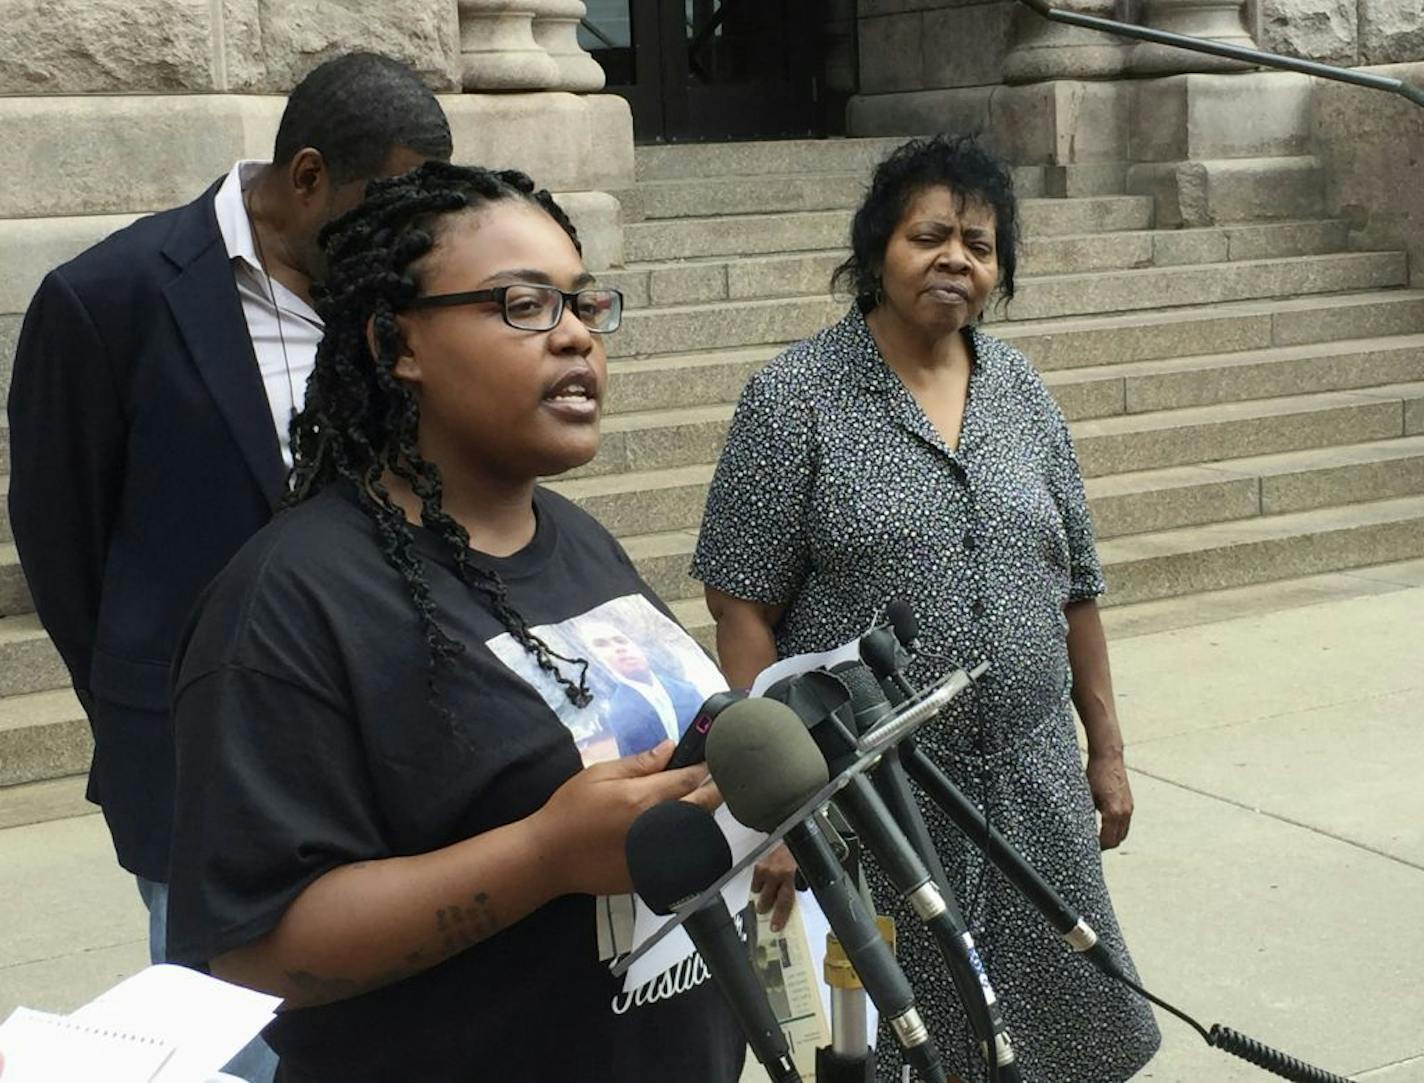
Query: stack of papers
x,y
166,1024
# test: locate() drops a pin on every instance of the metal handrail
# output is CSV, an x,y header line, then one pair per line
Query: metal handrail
x,y
608,43
1405,90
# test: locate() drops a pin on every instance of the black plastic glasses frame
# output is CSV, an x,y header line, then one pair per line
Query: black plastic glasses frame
x,y
499,293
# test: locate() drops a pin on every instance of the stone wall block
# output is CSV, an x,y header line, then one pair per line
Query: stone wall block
x,y
269,45
1217,20
1041,49
890,53
598,219
1248,115
126,154
1315,29
1204,193
35,246
966,46
1371,147
556,32
961,111
566,142
1062,122
1159,120
1391,31
105,46
497,47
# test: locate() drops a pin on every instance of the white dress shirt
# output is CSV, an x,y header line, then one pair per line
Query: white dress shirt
x,y
284,329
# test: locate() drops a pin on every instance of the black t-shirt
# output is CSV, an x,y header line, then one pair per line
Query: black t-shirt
x,y
306,741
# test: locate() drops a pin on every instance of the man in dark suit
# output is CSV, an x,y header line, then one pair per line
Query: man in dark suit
x,y
154,382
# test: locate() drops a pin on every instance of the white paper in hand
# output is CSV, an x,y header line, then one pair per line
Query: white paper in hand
x,y
204,1019
44,1048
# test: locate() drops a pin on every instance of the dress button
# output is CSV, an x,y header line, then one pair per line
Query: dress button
x,y
978,608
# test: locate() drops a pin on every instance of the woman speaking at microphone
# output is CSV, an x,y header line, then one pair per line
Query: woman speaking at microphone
x,y
383,813
905,454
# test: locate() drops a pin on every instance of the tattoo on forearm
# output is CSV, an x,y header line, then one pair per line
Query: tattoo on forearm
x,y
461,927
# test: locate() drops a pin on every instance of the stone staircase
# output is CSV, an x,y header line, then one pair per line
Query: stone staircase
x,y
1247,400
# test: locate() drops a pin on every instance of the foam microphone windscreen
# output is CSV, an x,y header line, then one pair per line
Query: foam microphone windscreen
x,y
764,761
675,852
902,619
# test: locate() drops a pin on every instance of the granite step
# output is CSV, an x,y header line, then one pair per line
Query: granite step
x,y
1143,386
663,502
1093,292
1057,346
1167,563
801,231
775,158
28,660
43,735
1164,564
678,329
1179,247
1190,330
1204,434
14,593
697,379
698,197
663,439
6,534
1169,498
784,274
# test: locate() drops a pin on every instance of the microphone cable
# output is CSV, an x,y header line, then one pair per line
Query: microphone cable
x,y
1218,1037
923,770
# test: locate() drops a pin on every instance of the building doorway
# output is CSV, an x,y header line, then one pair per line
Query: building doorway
x,y
696,70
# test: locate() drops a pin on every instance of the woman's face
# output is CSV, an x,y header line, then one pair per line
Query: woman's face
x,y
941,265
514,404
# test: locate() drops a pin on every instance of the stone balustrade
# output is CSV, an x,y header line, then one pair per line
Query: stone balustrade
x,y
1217,20
1041,49
556,24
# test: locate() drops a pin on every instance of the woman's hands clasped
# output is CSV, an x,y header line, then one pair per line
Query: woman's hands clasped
x,y
585,823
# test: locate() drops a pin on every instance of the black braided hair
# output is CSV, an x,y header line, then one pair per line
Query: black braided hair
x,y
359,421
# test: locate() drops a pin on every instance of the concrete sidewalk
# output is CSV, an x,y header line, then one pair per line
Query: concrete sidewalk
x,y
1273,880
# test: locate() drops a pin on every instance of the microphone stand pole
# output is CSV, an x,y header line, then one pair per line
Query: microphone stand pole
x,y
849,1058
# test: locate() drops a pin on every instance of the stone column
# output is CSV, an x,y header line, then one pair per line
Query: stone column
x,y
1217,20
498,50
556,24
1041,49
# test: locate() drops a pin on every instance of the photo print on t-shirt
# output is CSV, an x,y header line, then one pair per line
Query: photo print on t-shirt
x,y
647,675
648,678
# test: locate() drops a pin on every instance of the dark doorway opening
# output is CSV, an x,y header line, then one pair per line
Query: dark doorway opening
x,y
697,70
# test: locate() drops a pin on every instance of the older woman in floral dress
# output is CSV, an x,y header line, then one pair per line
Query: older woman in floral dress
x,y
905,454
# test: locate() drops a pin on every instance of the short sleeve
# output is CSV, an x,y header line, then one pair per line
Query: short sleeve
x,y
1085,569
273,791
753,542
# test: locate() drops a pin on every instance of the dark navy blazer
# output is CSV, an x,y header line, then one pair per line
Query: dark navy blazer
x,y
143,455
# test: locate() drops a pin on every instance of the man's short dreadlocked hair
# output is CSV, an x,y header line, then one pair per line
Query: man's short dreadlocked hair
x,y
360,421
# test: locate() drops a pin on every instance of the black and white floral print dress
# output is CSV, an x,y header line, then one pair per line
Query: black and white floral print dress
x,y
834,495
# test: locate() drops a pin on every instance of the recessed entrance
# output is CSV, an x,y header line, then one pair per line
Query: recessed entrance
x,y
711,69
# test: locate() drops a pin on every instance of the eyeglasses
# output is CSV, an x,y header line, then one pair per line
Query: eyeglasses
x,y
539,308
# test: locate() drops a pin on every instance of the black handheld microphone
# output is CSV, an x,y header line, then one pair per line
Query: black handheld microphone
x,y
675,851
767,765
869,708
692,745
883,658
820,699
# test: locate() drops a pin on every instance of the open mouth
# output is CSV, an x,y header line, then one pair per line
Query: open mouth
x,y
574,395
